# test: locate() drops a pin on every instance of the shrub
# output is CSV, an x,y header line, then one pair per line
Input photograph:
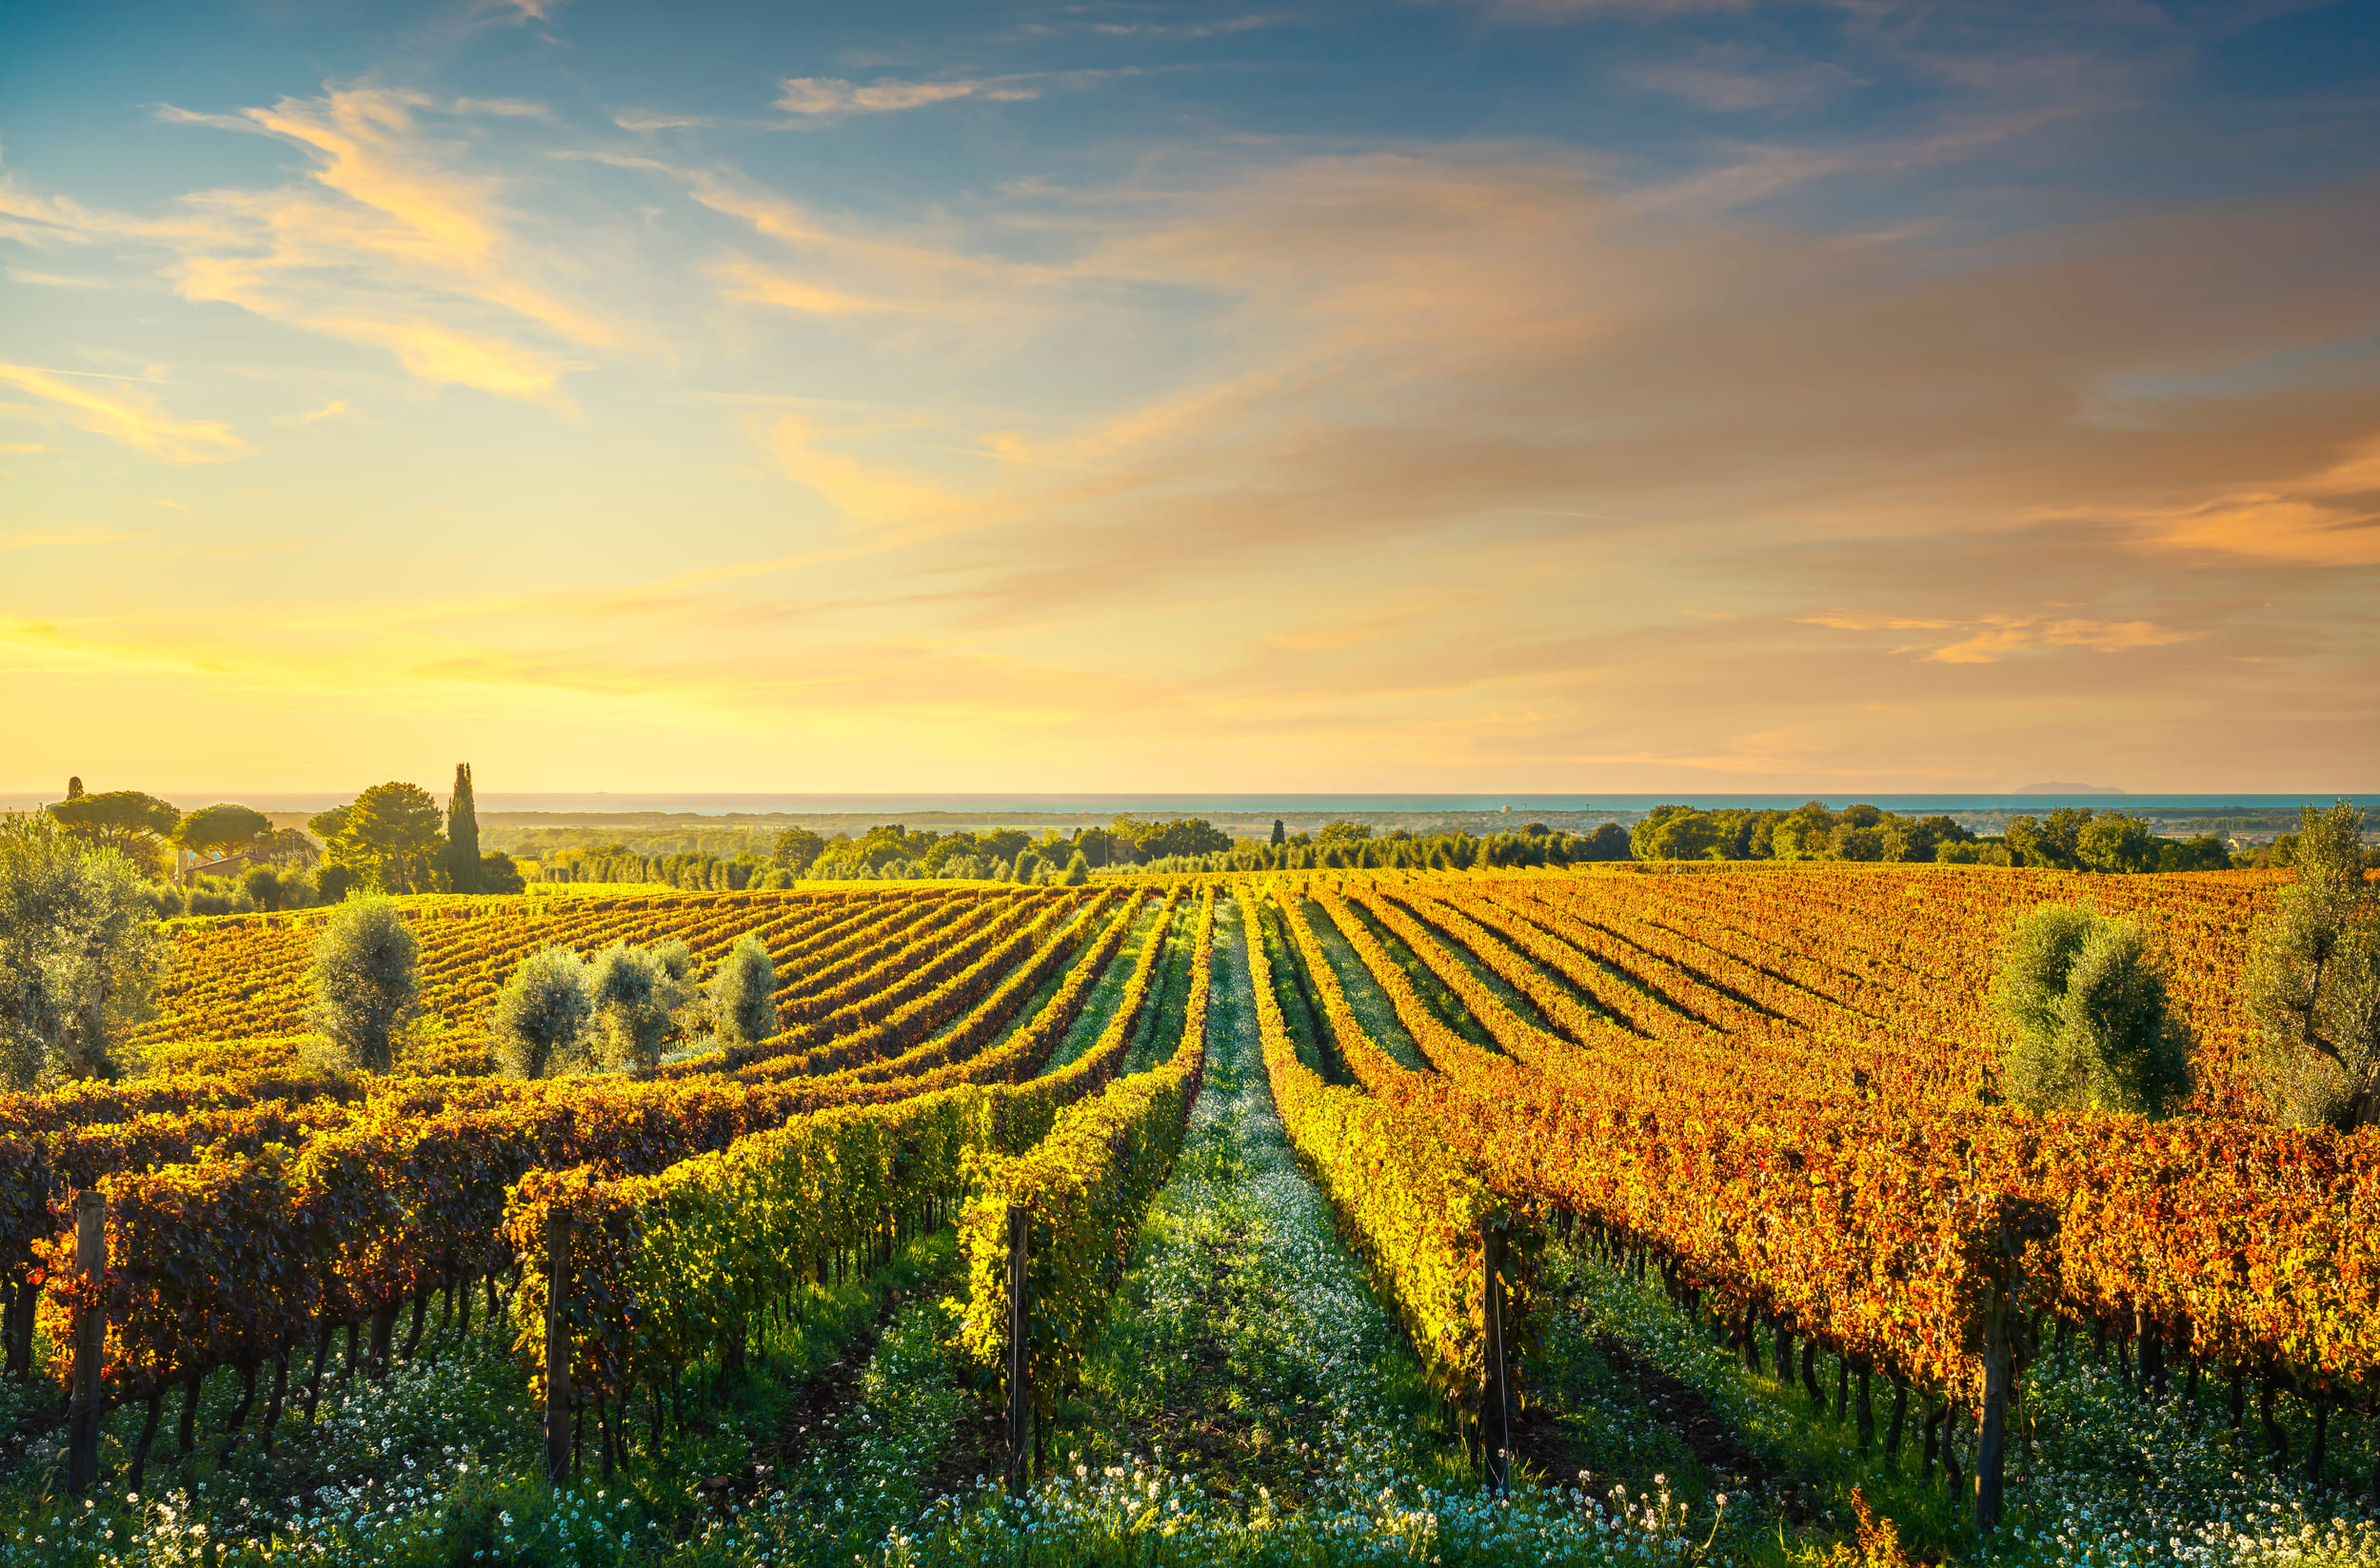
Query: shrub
x,y
539,1019
637,1000
1077,870
365,981
2093,1026
498,874
283,887
215,896
742,1005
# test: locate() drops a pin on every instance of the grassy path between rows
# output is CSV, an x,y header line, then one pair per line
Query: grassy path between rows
x,y
1250,1401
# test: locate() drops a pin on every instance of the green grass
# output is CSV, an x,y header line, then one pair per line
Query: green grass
x,y
2116,1479
438,1463
1162,1020
1364,997
1084,1032
1435,995
1495,985
1034,1004
1292,991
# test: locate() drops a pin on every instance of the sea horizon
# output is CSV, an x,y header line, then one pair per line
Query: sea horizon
x,y
1098,805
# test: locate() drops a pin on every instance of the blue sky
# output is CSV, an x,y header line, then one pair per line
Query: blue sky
x,y
1533,396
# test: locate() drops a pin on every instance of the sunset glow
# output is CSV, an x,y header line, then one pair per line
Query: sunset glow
x,y
1545,396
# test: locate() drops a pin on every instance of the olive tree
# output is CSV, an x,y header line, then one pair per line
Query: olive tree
x,y
2313,979
637,1003
743,994
540,1018
2092,1025
365,980
79,953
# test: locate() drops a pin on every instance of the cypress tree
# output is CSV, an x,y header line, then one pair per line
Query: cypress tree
x,y
1281,834
462,834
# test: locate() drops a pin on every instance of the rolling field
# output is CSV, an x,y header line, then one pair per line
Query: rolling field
x,y
1717,1155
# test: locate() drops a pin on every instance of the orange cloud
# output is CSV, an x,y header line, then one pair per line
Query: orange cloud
x,y
2002,635
2330,518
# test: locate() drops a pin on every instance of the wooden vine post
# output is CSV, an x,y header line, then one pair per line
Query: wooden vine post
x,y
2017,1223
1020,1357
90,1342
1496,1409
1992,1431
557,1347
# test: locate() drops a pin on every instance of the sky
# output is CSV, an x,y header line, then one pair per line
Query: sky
x,y
1541,395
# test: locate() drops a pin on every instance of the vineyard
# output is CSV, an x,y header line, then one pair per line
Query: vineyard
x,y
1610,1216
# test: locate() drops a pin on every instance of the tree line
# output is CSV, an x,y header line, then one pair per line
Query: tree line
x,y
147,832
892,852
392,837
2069,839
1353,845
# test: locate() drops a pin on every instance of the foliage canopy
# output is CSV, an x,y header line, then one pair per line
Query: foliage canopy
x,y
2093,1026
2313,979
365,981
79,954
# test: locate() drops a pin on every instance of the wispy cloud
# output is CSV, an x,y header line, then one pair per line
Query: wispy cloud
x,y
56,279
861,491
521,11
53,541
394,242
832,95
1847,621
2328,516
1222,28
1732,78
744,280
2002,635
642,120
129,419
